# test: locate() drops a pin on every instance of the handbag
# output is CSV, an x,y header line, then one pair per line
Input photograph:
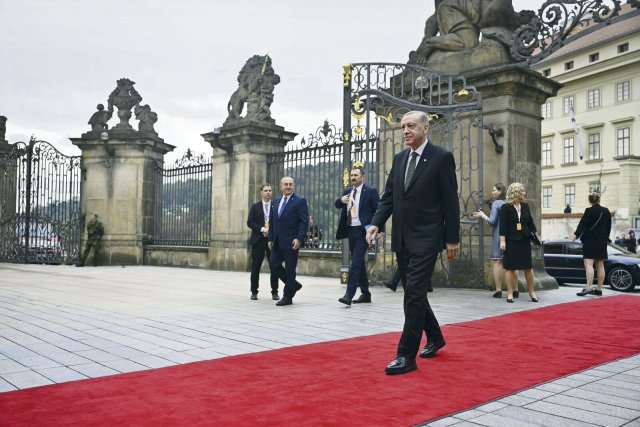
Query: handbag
x,y
534,239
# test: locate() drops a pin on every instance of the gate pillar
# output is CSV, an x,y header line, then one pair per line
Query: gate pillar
x,y
240,151
118,184
512,96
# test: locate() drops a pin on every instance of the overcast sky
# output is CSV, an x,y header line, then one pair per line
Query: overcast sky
x,y
60,58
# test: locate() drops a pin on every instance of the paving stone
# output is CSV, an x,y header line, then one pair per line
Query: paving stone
x,y
37,362
8,366
541,418
152,361
612,390
467,415
516,400
493,420
444,422
26,379
577,414
552,387
535,394
583,400
5,386
93,370
61,374
490,407
97,355
124,365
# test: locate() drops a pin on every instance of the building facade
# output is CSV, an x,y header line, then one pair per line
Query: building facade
x,y
600,149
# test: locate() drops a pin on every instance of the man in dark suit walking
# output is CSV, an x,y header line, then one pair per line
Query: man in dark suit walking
x,y
358,203
422,194
258,222
289,221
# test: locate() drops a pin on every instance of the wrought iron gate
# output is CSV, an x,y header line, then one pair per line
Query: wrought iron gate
x,y
376,95
183,211
39,204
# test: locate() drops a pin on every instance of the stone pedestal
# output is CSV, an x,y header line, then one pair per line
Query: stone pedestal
x,y
119,186
512,96
240,152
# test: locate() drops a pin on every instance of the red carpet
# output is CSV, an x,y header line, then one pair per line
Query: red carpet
x,y
343,382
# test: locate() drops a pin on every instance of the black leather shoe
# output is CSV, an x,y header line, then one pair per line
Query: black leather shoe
x,y
391,286
498,294
509,299
516,294
429,289
362,298
254,296
346,299
284,301
275,296
597,292
431,348
401,365
584,292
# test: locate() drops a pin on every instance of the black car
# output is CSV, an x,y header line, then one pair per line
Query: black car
x,y
563,261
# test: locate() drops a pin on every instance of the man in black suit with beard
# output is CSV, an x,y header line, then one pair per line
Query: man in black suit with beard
x,y
258,222
422,194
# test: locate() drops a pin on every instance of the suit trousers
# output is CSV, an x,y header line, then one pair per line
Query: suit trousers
x,y
358,270
258,250
416,269
287,273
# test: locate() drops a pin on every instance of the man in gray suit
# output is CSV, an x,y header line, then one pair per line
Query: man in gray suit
x,y
422,194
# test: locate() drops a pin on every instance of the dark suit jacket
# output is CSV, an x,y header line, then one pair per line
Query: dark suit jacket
x,y
431,198
255,221
595,224
369,200
292,224
509,221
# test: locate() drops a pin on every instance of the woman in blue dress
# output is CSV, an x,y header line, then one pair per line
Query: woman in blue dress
x,y
498,194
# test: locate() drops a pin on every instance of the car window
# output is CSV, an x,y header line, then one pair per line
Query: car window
x,y
574,248
617,250
553,248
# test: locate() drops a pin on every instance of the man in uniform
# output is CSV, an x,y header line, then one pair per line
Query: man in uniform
x,y
95,230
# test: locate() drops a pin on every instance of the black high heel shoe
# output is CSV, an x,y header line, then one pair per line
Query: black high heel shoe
x,y
498,294
516,294
509,299
533,299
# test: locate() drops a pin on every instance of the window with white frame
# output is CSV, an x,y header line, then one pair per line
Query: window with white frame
x,y
546,197
594,146
594,187
570,194
622,140
567,102
546,153
623,91
569,150
593,98
545,110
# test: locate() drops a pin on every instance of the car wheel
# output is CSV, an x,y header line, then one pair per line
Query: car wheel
x,y
620,279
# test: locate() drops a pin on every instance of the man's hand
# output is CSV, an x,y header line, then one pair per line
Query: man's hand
x,y
296,244
372,234
452,250
345,199
573,237
270,244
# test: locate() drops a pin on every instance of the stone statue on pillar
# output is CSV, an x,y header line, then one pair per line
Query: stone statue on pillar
x,y
146,118
124,96
256,82
452,34
99,119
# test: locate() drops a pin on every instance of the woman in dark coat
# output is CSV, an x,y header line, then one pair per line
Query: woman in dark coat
x,y
516,231
593,230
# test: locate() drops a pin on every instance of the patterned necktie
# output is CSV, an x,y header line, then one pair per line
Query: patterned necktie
x,y
266,212
284,202
411,170
353,202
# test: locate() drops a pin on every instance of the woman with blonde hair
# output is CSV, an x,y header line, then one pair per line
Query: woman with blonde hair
x,y
516,231
593,230
498,194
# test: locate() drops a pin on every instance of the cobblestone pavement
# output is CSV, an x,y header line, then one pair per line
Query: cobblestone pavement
x,y
61,323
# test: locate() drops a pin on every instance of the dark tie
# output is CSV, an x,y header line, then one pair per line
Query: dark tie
x,y
282,205
411,170
353,202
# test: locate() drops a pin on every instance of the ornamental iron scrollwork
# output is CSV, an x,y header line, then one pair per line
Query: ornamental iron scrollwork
x,y
558,20
325,136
